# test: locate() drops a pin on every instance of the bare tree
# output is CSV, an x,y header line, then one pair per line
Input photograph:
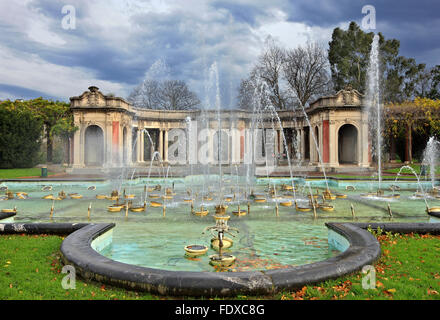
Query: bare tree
x,y
266,80
269,68
166,95
306,71
145,95
175,95
245,94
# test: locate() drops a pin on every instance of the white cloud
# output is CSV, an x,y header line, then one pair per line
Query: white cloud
x,y
293,34
31,72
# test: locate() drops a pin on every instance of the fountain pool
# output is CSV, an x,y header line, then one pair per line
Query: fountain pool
x,y
266,240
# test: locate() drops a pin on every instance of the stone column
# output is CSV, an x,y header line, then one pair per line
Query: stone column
x,y
302,144
333,144
161,143
312,147
141,146
165,148
138,145
108,147
365,145
129,145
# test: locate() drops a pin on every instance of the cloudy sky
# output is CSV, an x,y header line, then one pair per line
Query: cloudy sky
x,y
115,44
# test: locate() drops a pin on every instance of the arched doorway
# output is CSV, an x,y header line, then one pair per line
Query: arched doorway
x,y
94,146
347,144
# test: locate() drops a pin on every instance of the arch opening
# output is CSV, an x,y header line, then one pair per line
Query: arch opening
x,y
348,144
94,146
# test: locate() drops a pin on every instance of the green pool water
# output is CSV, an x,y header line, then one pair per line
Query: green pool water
x,y
265,241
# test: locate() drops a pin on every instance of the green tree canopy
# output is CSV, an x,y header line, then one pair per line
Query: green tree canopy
x,y
57,119
20,135
349,50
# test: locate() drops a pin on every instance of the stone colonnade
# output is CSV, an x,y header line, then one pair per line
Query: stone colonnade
x,y
333,132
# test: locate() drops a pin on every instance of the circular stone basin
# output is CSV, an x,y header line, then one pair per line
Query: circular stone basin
x,y
433,209
137,209
286,203
225,260
302,209
227,243
325,207
155,204
195,250
240,213
115,208
201,213
224,218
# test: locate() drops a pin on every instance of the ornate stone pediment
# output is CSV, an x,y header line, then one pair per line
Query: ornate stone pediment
x,y
96,99
345,97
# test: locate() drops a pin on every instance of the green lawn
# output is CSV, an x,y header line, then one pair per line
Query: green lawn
x,y
416,168
18,173
30,269
407,270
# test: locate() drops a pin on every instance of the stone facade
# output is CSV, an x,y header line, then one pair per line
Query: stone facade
x,y
113,133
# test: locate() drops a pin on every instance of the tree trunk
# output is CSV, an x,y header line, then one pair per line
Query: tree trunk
x,y
408,144
67,150
49,143
392,149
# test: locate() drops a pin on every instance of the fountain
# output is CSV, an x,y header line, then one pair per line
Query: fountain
x,y
373,103
430,156
265,240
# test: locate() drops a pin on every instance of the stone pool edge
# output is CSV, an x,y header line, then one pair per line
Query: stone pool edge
x,y
77,250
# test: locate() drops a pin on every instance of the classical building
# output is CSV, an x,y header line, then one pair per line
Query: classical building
x,y
112,133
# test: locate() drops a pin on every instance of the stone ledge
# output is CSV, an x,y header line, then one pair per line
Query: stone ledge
x,y
434,214
6,215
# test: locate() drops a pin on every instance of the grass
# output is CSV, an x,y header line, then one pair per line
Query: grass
x,y
407,270
416,167
30,269
19,173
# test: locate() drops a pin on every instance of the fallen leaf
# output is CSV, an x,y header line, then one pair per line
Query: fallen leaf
x,y
391,290
432,291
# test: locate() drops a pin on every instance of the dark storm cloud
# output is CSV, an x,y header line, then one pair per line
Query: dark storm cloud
x,y
414,23
15,92
190,38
